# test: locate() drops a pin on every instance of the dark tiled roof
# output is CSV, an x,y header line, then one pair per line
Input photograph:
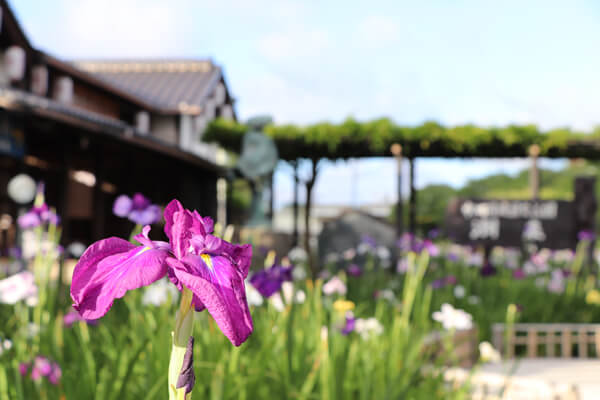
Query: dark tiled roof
x,y
165,84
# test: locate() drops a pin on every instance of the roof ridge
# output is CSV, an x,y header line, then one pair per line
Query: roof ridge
x,y
164,65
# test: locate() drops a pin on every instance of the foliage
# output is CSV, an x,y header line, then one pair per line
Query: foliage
x,y
298,352
374,138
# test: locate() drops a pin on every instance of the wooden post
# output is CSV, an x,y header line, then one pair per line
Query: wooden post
x,y
532,343
566,343
412,204
583,343
99,218
396,150
534,174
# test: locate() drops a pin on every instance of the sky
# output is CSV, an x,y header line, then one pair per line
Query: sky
x,y
455,62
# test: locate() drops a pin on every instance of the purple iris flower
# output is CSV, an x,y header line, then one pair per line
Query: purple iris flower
x,y
211,268
354,270
488,270
369,240
137,209
29,220
438,283
268,281
452,257
519,274
434,233
586,236
38,214
350,324
42,367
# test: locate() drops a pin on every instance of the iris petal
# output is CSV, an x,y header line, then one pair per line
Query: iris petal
x,y
108,269
218,285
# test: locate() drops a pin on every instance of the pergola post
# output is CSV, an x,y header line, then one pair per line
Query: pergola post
x,y
534,173
295,205
396,150
412,203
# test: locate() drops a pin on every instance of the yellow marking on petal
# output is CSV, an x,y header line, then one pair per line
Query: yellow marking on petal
x,y
206,258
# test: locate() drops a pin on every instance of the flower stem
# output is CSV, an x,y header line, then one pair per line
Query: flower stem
x,y
184,324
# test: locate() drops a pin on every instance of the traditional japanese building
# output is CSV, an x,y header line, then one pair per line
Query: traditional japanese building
x,y
92,130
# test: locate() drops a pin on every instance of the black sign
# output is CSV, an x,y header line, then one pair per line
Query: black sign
x,y
547,223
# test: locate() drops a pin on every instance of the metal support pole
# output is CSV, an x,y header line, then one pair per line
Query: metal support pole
x,y
412,206
534,173
396,150
295,205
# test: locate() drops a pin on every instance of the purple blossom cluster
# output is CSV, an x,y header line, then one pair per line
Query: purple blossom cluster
x,y
137,209
440,283
269,280
41,367
409,242
39,214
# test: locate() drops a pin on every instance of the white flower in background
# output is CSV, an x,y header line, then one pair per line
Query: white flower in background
x,y
5,345
298,273
349,254
487,353
19,287
540,281
297,254
564,256
253,296
402,266
557,282
76,249
475,260
363,248
459,291
287,289
387,294
368,327
332,258
452,318
529,268
383,252
473,299
32,330
32,245
324,333
335,285
159,292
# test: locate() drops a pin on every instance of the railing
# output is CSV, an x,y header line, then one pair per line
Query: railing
x,y
548,340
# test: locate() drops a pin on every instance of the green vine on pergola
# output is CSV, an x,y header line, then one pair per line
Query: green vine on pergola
x,y
354,139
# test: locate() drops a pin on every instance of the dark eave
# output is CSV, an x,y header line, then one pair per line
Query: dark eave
x,y
19,101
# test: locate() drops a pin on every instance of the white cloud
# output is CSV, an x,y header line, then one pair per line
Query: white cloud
x,y
376,31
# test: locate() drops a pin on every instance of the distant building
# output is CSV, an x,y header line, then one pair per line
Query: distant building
x,y
283,219
95,129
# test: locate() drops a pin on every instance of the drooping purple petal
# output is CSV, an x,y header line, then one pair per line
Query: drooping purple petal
x,y
108,269
122,206
218,285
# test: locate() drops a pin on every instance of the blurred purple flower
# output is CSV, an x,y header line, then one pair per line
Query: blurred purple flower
x,y
42,367
434,233
405,241
137,209
350,324
438,283
586,235
15,252
268,281
29,220
354,270
368,240
488,270
519,274
452,257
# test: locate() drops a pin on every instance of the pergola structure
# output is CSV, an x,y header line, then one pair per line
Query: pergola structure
x,y
384,138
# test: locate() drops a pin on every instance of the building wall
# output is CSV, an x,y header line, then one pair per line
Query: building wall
x,y
164,128
92,100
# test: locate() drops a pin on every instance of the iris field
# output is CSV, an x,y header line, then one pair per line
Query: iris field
x,y
361,330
